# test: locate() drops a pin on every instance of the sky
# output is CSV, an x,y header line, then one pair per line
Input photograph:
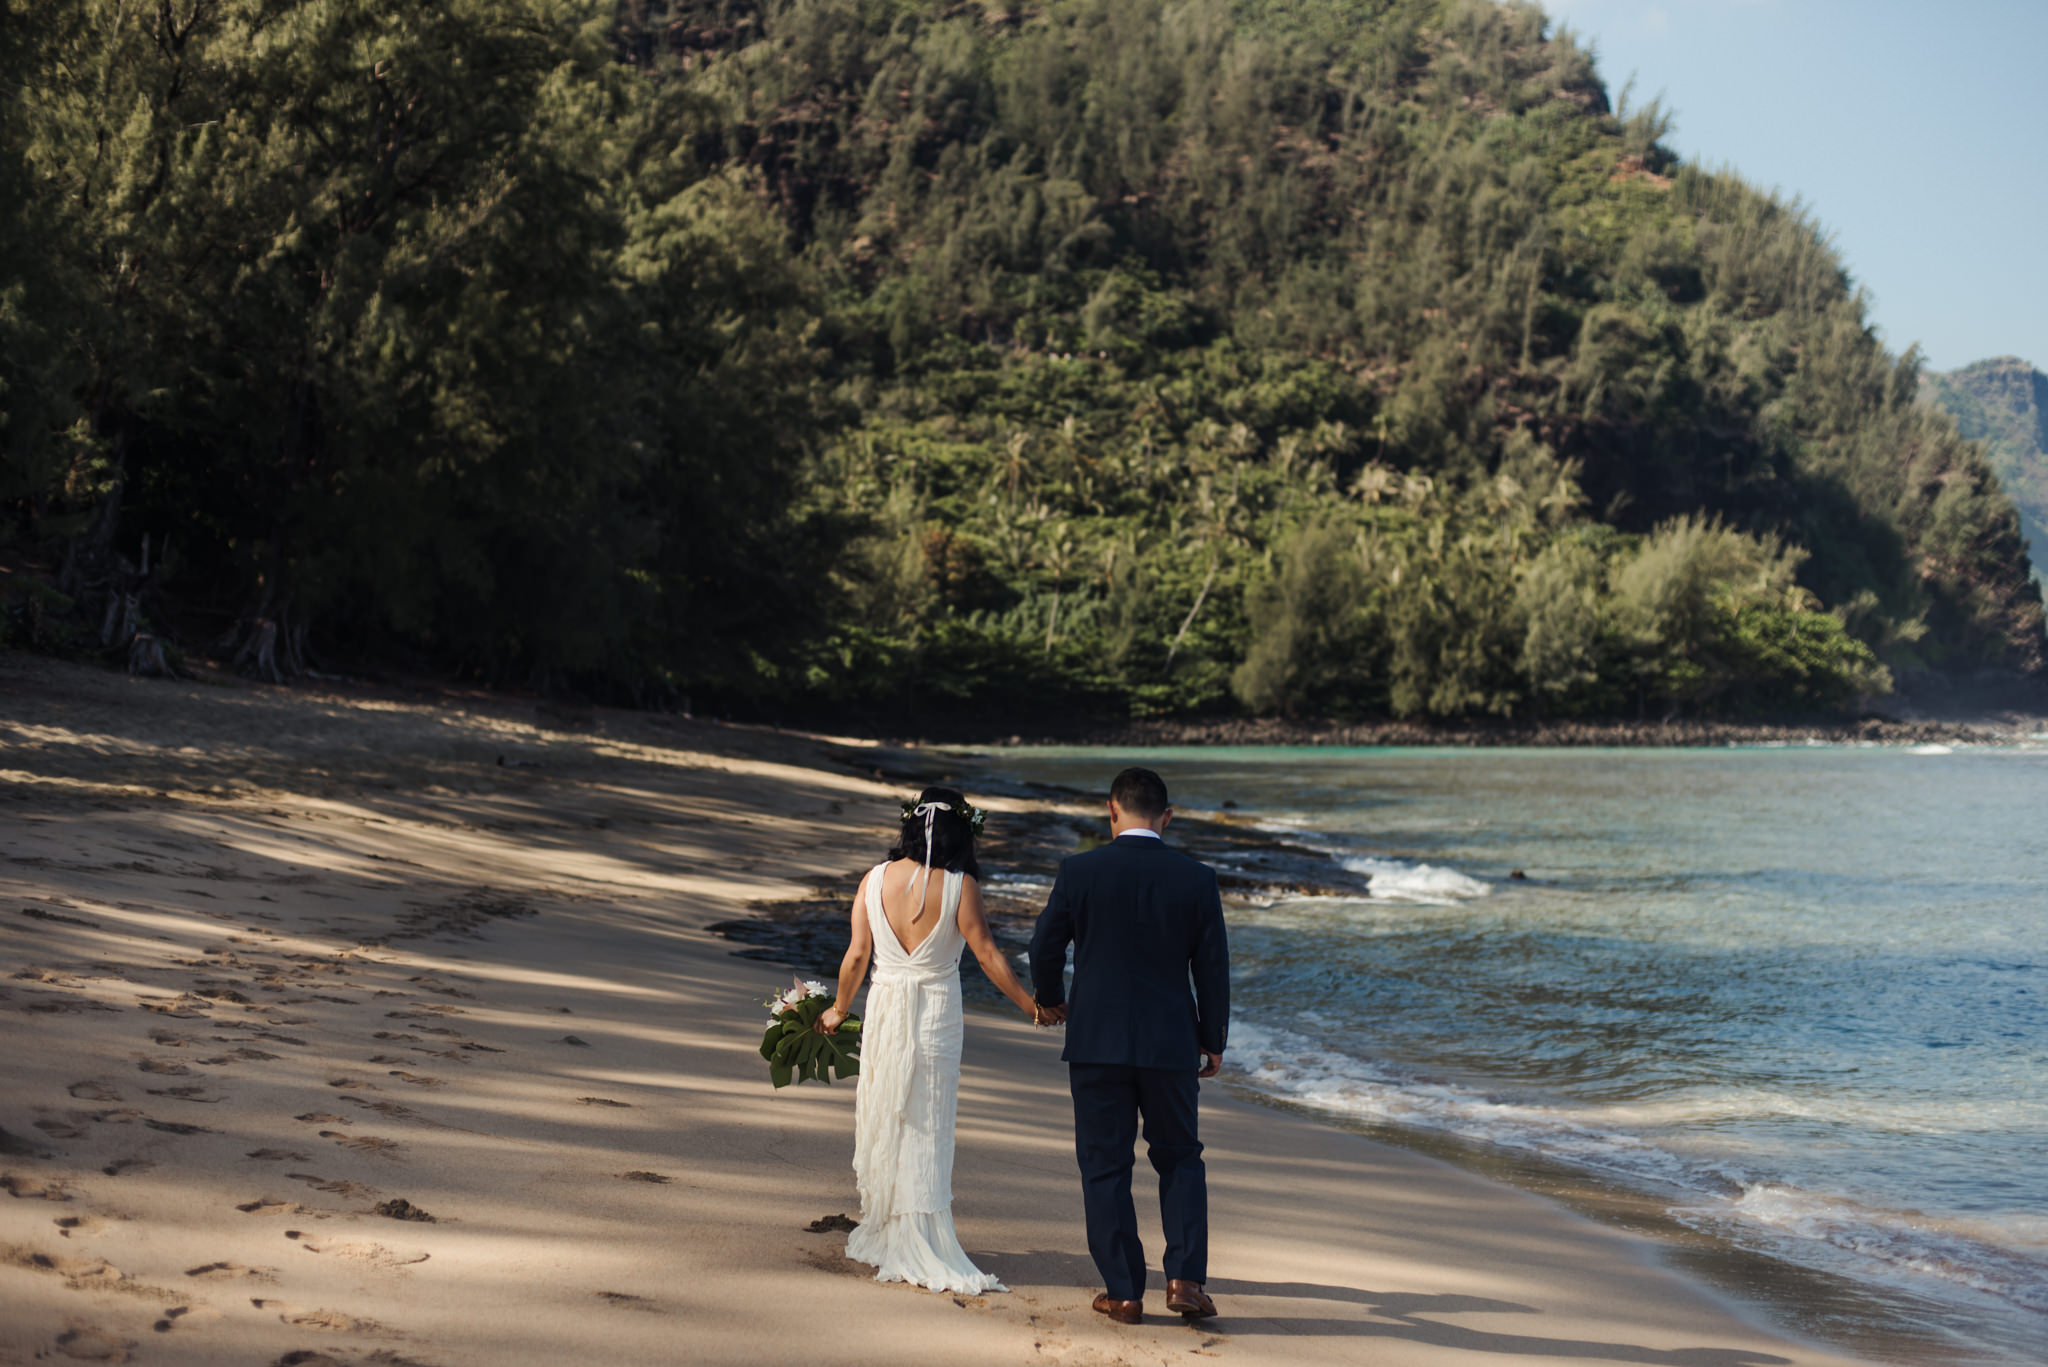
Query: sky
x,y
1916,133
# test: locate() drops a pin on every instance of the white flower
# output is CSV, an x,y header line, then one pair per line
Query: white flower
x,y
814,988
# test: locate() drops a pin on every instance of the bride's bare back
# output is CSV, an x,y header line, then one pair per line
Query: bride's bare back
x,y
911,917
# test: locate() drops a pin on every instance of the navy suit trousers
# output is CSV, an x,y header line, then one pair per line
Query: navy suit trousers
x,y
1109,1101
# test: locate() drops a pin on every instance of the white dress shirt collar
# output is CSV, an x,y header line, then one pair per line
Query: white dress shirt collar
x,y
1145,831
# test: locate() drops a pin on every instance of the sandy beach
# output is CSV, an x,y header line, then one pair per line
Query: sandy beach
x,y
349,1028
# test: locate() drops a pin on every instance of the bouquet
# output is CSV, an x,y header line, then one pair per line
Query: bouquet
x,y
795,1051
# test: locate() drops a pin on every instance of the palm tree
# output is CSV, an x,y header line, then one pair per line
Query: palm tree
x,y
1057,552
1223,522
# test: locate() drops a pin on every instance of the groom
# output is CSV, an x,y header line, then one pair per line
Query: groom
x,y
1145,920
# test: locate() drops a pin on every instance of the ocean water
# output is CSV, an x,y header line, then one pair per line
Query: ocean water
x,y
1797,996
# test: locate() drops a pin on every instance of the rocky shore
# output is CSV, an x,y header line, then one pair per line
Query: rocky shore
x,y
2001,730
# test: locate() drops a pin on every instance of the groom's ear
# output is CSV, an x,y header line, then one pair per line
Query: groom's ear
x,y
1165,818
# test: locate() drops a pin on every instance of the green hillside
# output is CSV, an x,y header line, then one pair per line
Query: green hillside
x,y
2003,402
878,355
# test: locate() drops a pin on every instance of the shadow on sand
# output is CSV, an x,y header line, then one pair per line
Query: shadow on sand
x,y
1387,1315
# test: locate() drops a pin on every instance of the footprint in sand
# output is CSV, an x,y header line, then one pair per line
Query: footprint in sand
x,y
416,1079
279,1155
654,1177
79,1274
181,1008
625,1302
121,1165
54,977
231,1271
164,1067
59,1006
339,1186
59,1129
62,1005
184,1317
270,1205
604,1101
318,1319
187,1093
377,1255
78,1226
38,914
84,1343
33,1188
324,1118
391,1110
425,1013
363,1143
91,1090
174,1127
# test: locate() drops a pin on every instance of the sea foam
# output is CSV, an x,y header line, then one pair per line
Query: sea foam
x,y
1824,1231
1396,880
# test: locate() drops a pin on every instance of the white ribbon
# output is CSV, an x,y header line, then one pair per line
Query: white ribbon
x,y
930,812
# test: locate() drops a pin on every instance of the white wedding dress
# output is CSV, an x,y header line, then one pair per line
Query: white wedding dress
x,y
909,1091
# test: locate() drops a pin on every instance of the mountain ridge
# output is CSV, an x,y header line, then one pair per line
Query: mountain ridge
x,y
2002,401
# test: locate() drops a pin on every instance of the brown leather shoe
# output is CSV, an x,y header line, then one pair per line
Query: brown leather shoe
x,y
1188,1298
1123,1312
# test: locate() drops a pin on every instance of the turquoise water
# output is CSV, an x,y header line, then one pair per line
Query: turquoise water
x,y
1799,995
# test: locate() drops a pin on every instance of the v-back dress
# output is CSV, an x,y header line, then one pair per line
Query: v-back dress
x,y
904,1109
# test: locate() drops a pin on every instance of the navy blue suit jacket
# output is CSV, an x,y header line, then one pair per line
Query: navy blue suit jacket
x,y
1151,963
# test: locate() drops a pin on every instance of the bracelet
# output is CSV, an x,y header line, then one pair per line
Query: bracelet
x,y
1036,1018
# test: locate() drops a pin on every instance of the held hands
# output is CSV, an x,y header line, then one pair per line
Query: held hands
x,y
1044,1016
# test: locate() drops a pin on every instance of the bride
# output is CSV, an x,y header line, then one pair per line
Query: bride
x,y
912,927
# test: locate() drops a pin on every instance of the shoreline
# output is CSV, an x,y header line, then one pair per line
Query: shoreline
x,y
1821,1307
1483,734
351,1029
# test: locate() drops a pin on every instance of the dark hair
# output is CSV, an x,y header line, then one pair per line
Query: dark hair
x,y
952,836
1140,792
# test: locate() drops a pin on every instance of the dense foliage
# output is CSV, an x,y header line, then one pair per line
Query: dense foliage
x,y
392,326
1289,354
2003,402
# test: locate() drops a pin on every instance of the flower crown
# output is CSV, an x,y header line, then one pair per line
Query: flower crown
x,y
913,809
